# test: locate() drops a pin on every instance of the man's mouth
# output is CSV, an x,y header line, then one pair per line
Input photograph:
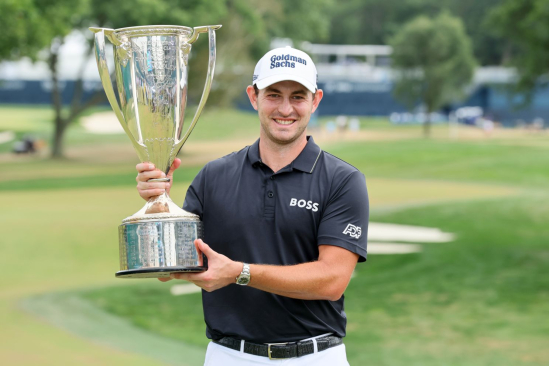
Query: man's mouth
x,y
284,121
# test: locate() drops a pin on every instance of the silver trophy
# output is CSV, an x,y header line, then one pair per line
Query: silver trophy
x,y
151,77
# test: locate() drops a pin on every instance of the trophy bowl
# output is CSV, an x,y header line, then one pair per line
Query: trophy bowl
x,y
151,66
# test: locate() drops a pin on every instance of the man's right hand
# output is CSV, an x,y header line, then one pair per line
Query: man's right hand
x,y
146,171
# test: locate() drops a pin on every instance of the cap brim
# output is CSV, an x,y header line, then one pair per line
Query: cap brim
x,y
265,82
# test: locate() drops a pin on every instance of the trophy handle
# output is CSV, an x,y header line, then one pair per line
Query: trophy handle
x,y
105,76
209,77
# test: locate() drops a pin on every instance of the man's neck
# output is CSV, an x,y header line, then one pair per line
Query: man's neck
x,y
277,156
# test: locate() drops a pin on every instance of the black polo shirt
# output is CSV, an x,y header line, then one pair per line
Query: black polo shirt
x,y
254,216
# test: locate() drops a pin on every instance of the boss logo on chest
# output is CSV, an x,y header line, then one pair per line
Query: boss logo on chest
x,y
309,205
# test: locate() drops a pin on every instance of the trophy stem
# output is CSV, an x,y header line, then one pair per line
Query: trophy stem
x,y
160,208
158,204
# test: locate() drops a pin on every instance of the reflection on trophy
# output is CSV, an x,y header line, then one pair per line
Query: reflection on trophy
x,y
151,78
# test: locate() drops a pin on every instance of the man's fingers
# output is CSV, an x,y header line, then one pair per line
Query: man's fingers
x,y
149,174
148,171
145,166
194,278
176,163
189,276
178,276
151,193
199,252
143,186
182,276
150,189
164,279
204,248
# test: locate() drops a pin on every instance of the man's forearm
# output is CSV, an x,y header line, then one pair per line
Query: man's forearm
x,y
307,281
325,279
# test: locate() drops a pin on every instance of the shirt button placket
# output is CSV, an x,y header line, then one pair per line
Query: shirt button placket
x,y
269,199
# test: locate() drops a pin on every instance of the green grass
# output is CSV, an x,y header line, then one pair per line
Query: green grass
x,y
461,303
127,179
213,124
480,300
157,307
458,161
25,118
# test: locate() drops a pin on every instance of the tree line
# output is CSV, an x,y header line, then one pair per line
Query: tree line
x,y
456,35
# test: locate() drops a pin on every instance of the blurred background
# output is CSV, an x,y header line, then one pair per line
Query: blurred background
x,y
442,104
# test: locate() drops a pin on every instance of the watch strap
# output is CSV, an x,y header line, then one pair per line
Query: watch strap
x,y
244,277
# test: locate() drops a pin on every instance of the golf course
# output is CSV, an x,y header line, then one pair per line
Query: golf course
x,y
481,299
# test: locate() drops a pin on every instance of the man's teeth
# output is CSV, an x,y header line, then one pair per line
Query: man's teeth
x,y
283,122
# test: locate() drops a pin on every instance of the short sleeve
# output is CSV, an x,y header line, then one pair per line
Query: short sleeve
x,y
194,200
344,221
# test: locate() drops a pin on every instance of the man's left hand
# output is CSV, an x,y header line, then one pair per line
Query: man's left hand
x,y
221,272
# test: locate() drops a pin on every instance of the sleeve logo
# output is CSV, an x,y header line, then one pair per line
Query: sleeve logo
x,y
353,231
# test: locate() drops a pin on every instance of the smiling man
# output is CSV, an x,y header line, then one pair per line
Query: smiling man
x,y
285,224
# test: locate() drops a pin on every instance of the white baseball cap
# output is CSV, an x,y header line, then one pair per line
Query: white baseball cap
x,y
285,63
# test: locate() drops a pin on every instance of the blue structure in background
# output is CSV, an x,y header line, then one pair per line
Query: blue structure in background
x,y
501,104
358,99
39,92
351,99
340,98
357,81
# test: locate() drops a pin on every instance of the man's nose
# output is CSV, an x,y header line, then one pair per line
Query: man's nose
x,y
285,108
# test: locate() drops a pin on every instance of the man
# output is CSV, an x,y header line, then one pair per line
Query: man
x,y
284,220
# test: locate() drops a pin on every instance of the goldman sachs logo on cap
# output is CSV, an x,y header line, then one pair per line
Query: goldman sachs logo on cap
x,y
286,61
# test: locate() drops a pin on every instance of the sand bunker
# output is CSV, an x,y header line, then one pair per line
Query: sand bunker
x,y
102,123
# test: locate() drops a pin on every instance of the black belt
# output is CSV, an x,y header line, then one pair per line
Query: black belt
x,y
281,350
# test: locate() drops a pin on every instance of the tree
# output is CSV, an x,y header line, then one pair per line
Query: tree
x,y
376,21
33,25
433,61
489,47
249,24
524,24
26,31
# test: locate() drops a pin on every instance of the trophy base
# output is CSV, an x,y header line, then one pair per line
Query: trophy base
x,y
157,272
153,245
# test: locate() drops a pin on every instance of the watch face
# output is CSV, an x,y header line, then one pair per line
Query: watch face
x,y
243,280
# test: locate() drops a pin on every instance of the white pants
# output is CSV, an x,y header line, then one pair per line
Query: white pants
x,y
218,355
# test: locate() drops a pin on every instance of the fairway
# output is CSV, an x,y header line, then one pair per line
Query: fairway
x,y
479,300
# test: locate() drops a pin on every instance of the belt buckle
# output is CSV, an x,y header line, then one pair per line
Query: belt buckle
x,y
269,351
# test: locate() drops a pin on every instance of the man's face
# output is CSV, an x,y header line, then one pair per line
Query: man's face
x,y
284,110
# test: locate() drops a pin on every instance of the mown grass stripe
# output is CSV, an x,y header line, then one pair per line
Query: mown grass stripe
x,y
111,180
77,315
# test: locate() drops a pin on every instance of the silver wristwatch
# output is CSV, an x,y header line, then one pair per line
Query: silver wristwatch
x,y
244,277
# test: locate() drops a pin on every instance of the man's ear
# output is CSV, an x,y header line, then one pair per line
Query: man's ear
x,y
318,97
250,90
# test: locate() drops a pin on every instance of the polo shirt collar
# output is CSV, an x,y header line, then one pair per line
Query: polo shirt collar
x,y
253,154
305,161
